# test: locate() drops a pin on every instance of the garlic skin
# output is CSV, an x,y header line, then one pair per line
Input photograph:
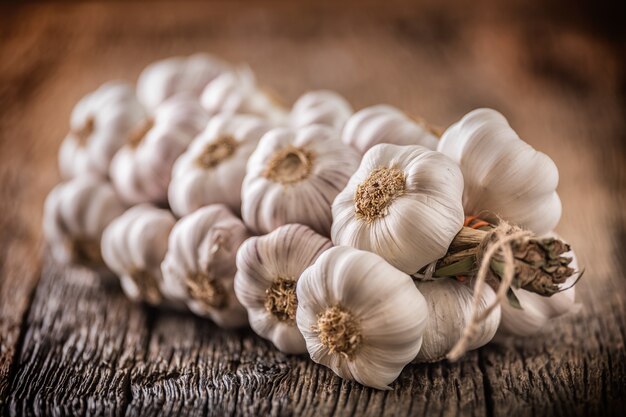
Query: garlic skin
x,y
168,77
449,311
133,246
538,310
323,107
237,92
75,214
403,203
293,177
199,267
141,170
385,124
268,268
99,125
213,167
359,316
503,175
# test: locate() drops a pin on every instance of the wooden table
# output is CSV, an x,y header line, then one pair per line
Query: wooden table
x,y
72,346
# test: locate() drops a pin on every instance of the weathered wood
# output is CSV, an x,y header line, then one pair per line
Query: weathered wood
x,y
71,347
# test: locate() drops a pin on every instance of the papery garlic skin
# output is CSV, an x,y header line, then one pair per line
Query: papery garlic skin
x,y
503,175
380,308
100,124
212,169
449,312
323,107
75,214
538,310
293,177
169,77
416,214
199,267
141,170
268,267
133,246
385,124
237,92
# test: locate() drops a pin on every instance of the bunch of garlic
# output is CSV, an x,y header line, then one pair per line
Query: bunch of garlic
x,y
199,267
100,125
213,167
293,176
322,107
268,269
133,246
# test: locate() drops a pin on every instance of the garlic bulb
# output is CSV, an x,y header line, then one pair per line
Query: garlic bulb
x,y
403,203
133,246
538,310
99,126
359,316
449,311
166,78
199,267
293,177
385,124
141,170
75,214
503,175
213,167
320,107
237,92
268,268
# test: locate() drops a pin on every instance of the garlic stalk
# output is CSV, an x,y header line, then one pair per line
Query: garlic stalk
x,y
403,203
320,107
386,124
293,177
100,125
212,169
359,316
268,268
199,267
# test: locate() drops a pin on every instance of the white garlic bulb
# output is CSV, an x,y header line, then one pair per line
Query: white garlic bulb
x,y
503,175
538,310
200,264
75,214
237,92
449,312
168,77
385,124
100,124
133,246
359,316
141,170
320,107
213,167
293,177
268,268
403,203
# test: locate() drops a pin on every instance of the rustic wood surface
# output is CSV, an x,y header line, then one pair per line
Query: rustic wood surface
x,y
72,346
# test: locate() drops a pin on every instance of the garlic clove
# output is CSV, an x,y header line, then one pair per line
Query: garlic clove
x,y
503,175
100,124
293,177
385,124
360,316
320,107
212,169
166,78
269,267
199,267
449,312
403,203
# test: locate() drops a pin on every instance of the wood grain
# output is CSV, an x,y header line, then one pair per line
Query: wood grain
x,y
71,346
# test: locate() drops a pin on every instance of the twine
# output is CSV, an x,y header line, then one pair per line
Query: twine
x,y
504,235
